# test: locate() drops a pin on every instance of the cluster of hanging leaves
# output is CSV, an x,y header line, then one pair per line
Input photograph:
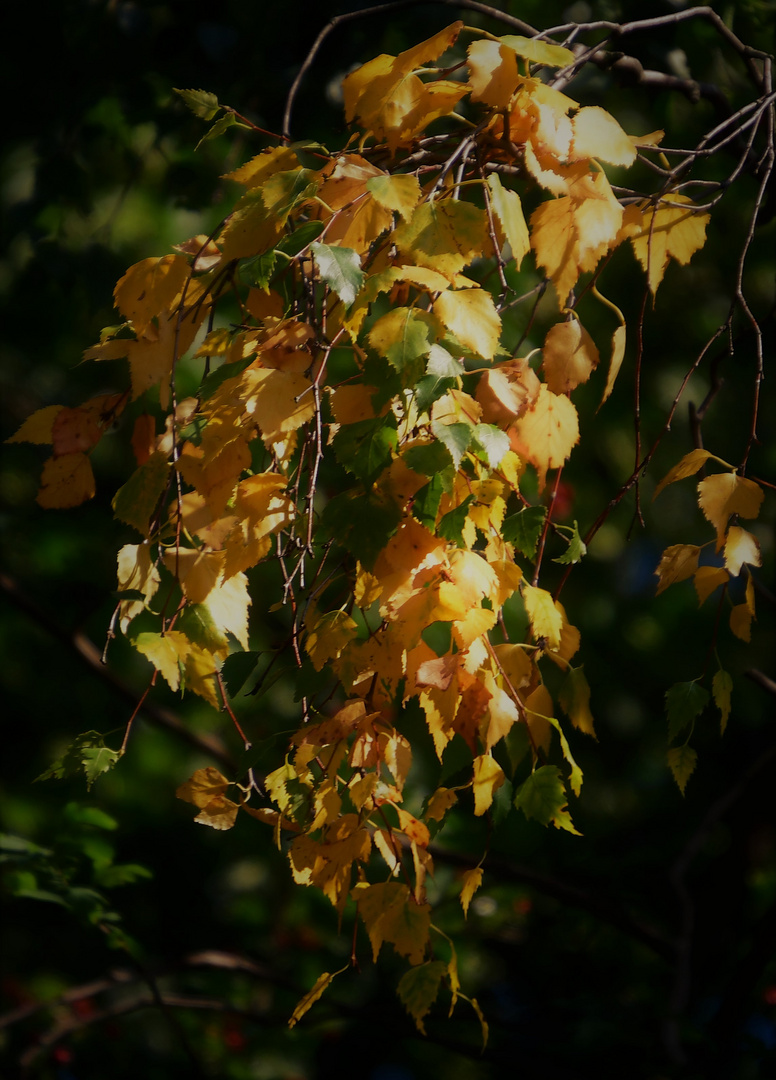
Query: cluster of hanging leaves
x,y
347,317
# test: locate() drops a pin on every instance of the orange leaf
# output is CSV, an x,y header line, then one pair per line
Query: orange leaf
x,y
66,481
569,356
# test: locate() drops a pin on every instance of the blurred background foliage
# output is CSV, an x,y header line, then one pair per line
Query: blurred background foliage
x,y
578,949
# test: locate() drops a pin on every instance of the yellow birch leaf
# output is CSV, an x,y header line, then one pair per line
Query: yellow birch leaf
x,y
500,716
493,74
574,699
516,666
136,572
217,478
721,688
615,361
471,316
250,229
197,571
488,777
388,848
598,135
547,433
166,652
279,401
509,215
539,52
228,604
741,622
440,802
328,637
149,288
506,391
328,864
546,621
677,563
472,879
741,547
707,579
483,1022
554,240
264,165
413,829
151,356
688,466
400,193
220,813
724,494
397,755
674,231
383,92
538,711
38,427
569,356
66,481
390,913
199,668
322,983
203,787
444,235
362,791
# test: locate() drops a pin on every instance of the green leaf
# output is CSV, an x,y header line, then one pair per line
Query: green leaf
x,y
17,845
404,336
451,525
524,529
87,755
543,797
222,124
362,524
681,761
428,459
136,502
258,271
721,688
366,447
201,102
501,806
684,702
96,760
92,816
576,550
493,442
425,505
124,874
300,238
341,269
196,622
430,388
443,364
418,989
456,437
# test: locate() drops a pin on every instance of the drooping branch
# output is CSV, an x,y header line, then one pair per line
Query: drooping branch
x,y
85,649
